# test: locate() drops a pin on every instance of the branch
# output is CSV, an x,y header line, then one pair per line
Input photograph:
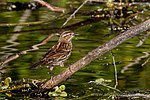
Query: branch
x,y
50,7
73,15
23,23
95,54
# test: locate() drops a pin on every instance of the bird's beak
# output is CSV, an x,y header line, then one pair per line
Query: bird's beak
x,y
75,34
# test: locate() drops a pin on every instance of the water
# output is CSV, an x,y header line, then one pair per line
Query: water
x,y
133,77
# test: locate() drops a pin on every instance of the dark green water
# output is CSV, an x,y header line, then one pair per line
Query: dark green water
x,y
131,78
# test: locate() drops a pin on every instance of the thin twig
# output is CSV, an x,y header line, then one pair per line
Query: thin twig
x,y
23,23
98,83
118,3
115,70
50,7
136,95
147,60
73,15
35,47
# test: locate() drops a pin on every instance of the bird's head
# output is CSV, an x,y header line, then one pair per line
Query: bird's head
x,y
66,36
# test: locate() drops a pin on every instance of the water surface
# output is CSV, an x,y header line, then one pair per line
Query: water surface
x,y
133,77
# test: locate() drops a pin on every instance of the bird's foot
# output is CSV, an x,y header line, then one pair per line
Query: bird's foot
x,y
50,67
61,65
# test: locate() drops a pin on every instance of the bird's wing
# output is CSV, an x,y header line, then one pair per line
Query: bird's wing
x,y
55,52
54,55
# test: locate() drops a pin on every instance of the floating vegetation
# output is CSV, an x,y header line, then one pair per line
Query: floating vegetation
x,y
28,87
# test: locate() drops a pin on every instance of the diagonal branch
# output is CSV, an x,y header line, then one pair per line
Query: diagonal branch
x,y
95,54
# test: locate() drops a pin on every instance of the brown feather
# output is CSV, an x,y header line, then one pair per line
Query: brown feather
x,y
59,53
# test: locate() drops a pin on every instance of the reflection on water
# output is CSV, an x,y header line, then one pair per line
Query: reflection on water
x,y
133,71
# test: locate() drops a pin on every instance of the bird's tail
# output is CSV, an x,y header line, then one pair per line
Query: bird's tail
x,y
36,65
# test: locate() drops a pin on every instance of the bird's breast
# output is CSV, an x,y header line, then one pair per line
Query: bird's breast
x,y
64,46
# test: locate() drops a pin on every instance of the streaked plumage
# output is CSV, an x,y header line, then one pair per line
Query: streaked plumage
x,y
59,53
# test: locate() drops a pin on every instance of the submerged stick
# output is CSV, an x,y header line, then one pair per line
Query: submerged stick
x,y
95,54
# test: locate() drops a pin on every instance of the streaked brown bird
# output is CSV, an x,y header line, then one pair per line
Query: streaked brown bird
x,y
59,53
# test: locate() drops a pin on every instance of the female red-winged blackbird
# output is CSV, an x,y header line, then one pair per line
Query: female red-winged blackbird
x,y
59,53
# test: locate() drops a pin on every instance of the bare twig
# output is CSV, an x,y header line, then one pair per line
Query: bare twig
x,y
35,47
147,60
50,7
115,70
96,53
23,23
115,74
73,15
98,82
136,95
132,3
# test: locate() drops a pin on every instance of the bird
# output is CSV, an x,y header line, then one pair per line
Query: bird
x,y
59,53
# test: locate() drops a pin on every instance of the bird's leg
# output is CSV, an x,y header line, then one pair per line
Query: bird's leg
x,y
61,64
50,67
